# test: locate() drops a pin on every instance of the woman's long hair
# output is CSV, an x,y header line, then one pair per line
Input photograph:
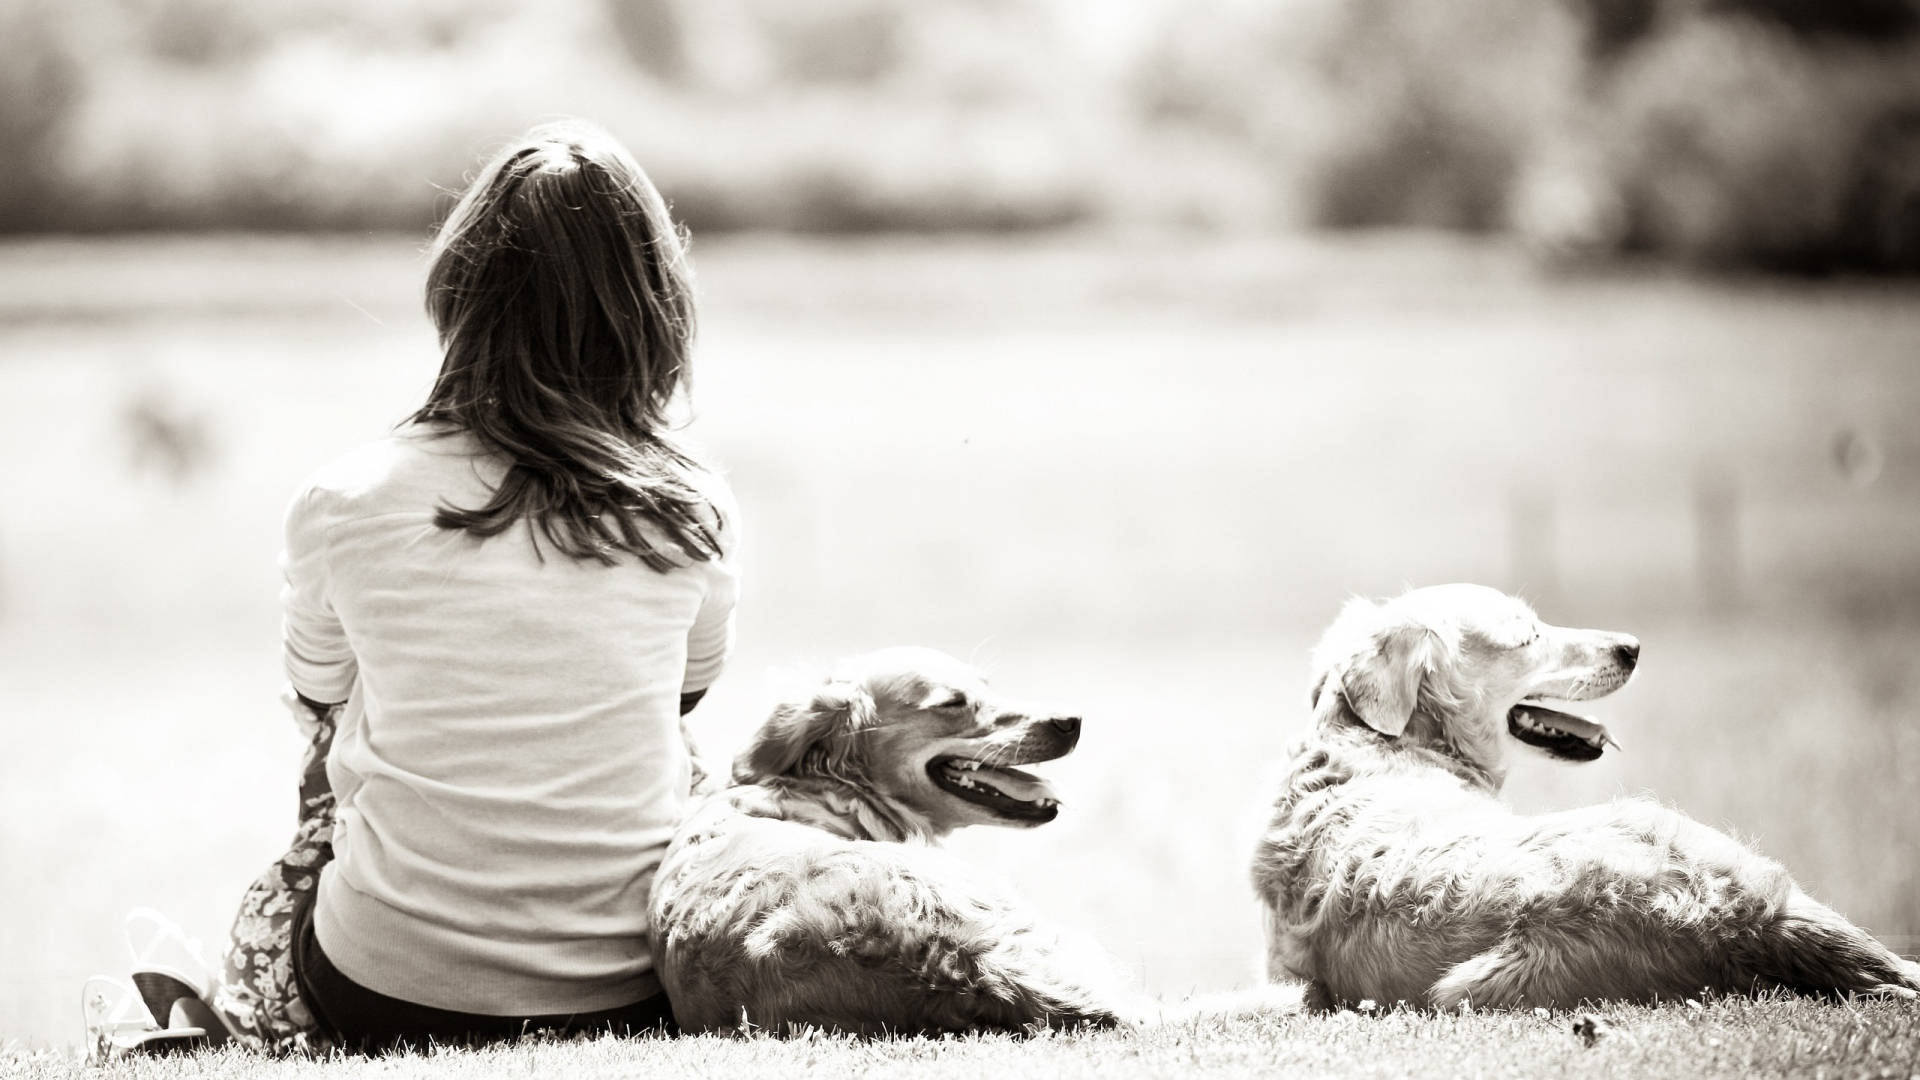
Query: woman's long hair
x,y
564,302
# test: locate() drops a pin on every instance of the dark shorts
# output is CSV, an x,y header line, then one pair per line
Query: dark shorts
x,y
354,1017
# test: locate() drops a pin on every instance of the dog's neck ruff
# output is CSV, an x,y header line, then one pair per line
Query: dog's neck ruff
x,y
1424,741
845,810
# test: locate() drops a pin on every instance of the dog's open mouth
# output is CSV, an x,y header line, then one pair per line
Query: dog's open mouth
x,y
1572,738
1006,791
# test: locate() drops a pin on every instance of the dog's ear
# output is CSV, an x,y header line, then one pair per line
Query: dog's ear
x,y
791,734
1313,692
1382,683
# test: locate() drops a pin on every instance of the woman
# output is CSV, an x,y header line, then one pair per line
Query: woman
x,y
498,614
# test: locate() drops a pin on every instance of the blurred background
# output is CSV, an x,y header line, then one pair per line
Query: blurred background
x,y
1109,346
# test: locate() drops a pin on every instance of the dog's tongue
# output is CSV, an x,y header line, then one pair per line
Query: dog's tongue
x,y
1013,783
1578,726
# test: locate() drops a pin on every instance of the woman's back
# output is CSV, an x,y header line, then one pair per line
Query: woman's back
x,y
509,766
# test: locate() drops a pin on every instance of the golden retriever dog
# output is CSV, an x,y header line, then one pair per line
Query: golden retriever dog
x,y
809,891
1390,871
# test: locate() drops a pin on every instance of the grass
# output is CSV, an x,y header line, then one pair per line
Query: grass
x,y
1726,1038
1136,475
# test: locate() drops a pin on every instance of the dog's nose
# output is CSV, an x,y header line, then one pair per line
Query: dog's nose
x,y
1066,725
1628,653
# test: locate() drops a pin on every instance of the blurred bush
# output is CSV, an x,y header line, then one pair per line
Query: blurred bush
x,y
1375,112
38,85
855,114
1733,142
1778,133
1783,133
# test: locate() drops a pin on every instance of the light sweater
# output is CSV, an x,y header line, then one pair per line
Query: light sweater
x,y
509,766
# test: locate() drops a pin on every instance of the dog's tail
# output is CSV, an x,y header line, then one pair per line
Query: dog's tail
x,y
906,947
1028,976
1811,949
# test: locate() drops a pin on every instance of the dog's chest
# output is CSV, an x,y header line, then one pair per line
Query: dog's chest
x,y
1284,870
1306,810
1295,859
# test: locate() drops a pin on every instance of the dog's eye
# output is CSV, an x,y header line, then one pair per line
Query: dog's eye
x,y
958,700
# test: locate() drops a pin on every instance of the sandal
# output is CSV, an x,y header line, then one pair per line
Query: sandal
x,y
112,1011
173,978
167,965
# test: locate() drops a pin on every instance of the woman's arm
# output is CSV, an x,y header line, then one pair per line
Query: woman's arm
x,y
711,638
704,779
709,641
707,646
320,664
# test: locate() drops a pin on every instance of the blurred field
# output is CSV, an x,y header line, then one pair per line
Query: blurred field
x,y
1134,474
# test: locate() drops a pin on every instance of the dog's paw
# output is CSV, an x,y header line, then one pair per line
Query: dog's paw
x,y
1076,1010
1094,1019
1893,991
1318,998
1251,1003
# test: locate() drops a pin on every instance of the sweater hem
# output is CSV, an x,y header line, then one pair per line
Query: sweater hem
x,y
402,956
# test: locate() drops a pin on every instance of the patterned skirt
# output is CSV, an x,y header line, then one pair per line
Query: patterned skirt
x,y
256,993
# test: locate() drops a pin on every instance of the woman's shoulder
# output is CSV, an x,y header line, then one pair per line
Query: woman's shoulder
x,y
395,468
723,508
713,486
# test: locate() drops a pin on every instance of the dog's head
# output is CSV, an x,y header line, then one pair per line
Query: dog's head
x,y
1463,667
921,731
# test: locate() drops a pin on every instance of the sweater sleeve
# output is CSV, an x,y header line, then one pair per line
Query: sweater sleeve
x,y
711,638
320,663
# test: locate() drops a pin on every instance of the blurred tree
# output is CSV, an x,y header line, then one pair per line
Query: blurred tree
x,y
1877,20
651,33
1735,142
39,83
1881,222
210,33
1616,25
1780,132
202,32
745,46
833,41
1375,112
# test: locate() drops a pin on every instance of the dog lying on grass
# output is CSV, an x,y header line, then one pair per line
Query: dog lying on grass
x,y
1390,871
807,893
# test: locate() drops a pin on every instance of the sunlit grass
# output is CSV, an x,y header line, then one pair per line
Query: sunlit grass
x,y
1727,1038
